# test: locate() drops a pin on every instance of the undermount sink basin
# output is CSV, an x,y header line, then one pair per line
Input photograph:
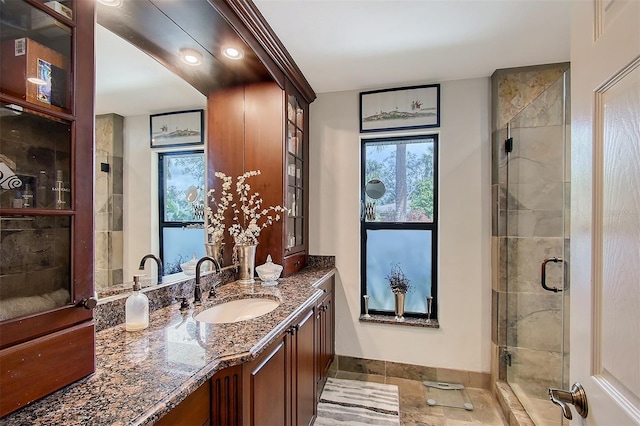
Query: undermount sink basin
x,y
237,310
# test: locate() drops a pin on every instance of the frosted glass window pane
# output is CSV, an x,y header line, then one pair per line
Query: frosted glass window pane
x,y
411,250
179,245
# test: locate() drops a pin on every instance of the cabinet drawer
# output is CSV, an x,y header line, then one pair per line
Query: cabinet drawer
x,y
327,285
26,373
294,263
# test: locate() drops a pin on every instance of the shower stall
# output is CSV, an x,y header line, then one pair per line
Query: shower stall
x,y
531,224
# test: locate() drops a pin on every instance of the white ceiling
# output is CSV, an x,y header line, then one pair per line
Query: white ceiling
x,y
359,44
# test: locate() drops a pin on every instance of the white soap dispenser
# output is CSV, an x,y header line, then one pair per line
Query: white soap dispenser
x,y
137,308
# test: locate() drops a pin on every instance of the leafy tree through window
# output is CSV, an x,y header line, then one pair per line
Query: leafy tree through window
x,y
181,207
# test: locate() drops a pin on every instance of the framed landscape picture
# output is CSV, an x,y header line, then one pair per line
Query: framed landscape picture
x,y
402,108
177,128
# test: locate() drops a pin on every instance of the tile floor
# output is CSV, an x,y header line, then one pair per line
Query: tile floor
x,y
414,410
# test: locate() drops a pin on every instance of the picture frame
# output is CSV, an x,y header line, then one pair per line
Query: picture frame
x,y
403,108
179,128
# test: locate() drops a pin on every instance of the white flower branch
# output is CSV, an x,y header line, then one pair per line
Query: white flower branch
x,y
249,218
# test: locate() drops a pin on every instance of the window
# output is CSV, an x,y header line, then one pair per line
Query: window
x,y
399,223
181,202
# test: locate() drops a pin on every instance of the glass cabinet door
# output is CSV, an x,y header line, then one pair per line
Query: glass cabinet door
x,y
295,196
36,130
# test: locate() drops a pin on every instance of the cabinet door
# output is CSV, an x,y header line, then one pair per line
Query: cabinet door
x,y
296,172
266,387
194,410
325,327
328,322
304,389
46,127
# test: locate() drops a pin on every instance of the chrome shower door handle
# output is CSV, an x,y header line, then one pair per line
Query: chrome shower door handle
x,y
577,397
543,274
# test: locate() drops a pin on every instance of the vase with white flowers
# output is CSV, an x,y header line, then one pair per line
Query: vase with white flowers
x,y
215,225
248,220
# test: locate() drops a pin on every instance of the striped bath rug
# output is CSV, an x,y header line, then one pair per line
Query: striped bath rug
x,y
354,403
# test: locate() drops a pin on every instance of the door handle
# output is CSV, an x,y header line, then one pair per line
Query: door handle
x,y
543,274
577,397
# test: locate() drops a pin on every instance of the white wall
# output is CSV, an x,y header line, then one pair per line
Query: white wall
x,y
463,341
140,200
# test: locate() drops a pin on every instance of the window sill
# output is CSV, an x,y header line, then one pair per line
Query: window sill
x,y
412,322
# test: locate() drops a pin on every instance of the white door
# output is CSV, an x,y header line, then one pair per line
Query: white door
x,y
605,209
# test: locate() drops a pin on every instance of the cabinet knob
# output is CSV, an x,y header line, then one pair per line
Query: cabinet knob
x,y
89,303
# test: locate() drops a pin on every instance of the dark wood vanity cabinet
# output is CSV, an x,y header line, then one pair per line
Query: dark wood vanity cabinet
x,y
47,336
279,386
262,127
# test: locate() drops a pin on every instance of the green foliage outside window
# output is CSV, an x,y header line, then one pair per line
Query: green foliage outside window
x,y
406,169
181,173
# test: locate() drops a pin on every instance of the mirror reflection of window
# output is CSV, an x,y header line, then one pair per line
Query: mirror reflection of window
x,y
181,179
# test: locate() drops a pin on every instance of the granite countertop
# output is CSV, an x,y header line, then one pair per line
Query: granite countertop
x,y
142,375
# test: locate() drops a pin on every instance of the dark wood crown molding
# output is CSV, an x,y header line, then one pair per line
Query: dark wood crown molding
x,y
260,30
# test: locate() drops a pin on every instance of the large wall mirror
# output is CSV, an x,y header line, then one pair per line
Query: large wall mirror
x,y
132,85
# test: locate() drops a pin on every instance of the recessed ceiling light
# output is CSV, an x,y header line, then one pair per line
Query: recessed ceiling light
x,y
191,57
232,53
111,3
37,81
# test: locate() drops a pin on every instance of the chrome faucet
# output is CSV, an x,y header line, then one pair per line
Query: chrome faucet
x,y
197,292
157,260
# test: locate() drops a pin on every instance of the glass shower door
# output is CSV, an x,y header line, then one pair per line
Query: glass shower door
x,y
537,256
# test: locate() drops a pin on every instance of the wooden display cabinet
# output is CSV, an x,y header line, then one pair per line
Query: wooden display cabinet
x,y
263,127
46,209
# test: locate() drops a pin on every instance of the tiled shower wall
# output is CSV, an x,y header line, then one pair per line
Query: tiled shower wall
x,y
108,201
529,224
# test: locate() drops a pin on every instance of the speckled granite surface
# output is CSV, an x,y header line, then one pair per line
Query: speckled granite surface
x,y
409,321
142,375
